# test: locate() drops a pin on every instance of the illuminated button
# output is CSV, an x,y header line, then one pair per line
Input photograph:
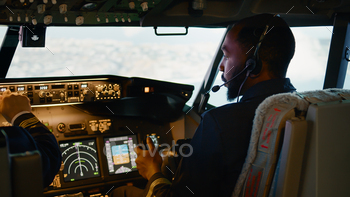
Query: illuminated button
x,y
21,88
76,93
30,94
70,87
76,87
146,89
70,93
30,87
12,88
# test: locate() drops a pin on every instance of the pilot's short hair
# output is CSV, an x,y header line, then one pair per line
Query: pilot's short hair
x,y
278,46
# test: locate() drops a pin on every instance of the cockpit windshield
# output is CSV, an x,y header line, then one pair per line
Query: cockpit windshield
x,y
123,51
138,52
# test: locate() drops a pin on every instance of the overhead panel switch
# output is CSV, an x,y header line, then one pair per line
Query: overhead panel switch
x,y
41,8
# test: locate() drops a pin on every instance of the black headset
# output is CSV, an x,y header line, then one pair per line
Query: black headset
x,y
254,64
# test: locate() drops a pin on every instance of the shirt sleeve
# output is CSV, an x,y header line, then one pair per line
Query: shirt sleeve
x,y
17,115
46,144
200,170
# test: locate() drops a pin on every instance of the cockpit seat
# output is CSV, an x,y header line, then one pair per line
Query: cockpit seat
x,y
21,171
285,147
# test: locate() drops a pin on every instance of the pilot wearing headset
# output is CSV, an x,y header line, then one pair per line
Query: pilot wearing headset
x,y
28,134
257,52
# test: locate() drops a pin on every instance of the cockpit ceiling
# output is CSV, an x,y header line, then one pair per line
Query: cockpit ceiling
x,y
207,13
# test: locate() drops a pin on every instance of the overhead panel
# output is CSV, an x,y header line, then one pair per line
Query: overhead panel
x,y
208,13
75,12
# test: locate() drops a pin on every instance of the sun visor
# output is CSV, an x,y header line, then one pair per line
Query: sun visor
x,y
32,36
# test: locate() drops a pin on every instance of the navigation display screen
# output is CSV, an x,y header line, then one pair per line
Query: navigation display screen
x,y
80,160
120,154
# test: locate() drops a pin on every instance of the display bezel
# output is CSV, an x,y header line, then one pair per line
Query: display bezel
x,y
97,157
131,154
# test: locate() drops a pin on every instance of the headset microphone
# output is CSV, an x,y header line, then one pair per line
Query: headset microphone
x,y
250,67
216,88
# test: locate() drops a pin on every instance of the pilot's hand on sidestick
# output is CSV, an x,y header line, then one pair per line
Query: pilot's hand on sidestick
x,y
12,104
148,161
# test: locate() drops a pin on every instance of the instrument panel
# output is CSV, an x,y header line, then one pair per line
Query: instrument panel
x,y
66,92
98,121
135,97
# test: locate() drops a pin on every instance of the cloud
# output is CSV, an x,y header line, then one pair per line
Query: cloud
x,y
183,63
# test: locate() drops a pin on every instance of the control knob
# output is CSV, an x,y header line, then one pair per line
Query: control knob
x,y
99,89
62,96
42,94
111,92
116,87
61,127
85,92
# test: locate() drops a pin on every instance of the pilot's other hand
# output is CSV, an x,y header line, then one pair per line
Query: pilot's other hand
x,y
148,161
12,104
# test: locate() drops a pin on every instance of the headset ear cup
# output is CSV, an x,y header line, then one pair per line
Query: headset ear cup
x,y
250,65
257,69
